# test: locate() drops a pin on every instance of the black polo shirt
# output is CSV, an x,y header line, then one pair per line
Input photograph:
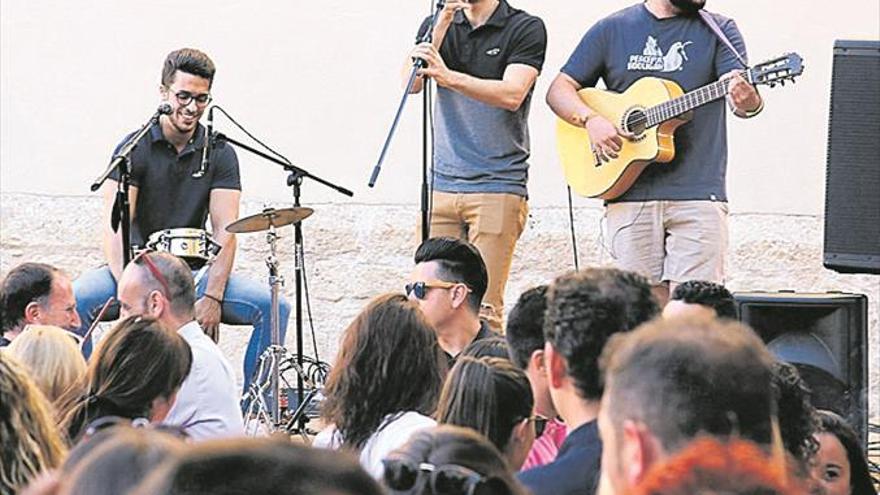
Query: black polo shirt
x,y
484,333
509,36
168,195
480,148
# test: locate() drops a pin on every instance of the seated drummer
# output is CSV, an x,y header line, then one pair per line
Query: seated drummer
x,y
164,194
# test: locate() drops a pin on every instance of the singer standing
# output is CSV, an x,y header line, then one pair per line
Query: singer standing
x,y
485,56
174,185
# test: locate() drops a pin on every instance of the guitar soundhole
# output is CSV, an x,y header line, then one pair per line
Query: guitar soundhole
x,y
635,121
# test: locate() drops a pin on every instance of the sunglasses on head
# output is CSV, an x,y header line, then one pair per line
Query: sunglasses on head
x,y
446,479
419,289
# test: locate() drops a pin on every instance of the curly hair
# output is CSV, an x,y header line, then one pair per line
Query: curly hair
x,y
30,441
797,416
389,362
709,294
708,465
584,309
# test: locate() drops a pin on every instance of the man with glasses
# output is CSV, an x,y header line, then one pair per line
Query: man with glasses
x,y
165,194
39,294
448,282
160,286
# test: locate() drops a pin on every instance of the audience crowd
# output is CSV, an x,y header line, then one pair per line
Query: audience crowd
x,y
592,388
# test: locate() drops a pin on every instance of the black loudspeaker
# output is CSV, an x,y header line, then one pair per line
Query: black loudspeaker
x,y
852,186
825,336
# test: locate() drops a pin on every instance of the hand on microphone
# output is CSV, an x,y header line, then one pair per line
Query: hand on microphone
x,y
451,7
436,67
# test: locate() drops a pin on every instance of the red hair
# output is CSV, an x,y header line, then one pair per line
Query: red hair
x,y
709,465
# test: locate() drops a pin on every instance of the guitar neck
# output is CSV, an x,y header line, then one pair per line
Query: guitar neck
x,y
689,101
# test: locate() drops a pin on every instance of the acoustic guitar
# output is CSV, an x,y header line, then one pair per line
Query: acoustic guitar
x,y
651,110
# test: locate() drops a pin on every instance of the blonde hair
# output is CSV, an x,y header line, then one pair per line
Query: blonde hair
x,y
29,438
52,357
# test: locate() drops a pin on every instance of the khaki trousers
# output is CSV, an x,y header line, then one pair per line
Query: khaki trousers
x,y
490,221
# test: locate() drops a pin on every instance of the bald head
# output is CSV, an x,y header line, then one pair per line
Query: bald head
x,y
158,285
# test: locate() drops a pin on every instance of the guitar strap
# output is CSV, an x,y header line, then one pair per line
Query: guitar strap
x,y
710,21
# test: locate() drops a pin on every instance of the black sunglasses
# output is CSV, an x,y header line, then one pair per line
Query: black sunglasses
x,y
419,289
447,479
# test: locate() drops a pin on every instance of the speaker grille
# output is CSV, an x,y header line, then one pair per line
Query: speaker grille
x,y
852,194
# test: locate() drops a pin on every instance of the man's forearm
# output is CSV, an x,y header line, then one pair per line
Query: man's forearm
x,y
563,99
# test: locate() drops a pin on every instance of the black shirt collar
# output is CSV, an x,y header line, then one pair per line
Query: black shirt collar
x,y
196,143
499,18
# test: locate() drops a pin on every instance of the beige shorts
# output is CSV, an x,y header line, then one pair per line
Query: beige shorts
x,y
669,241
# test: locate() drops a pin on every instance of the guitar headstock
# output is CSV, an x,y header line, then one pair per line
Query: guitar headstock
x,y
777,70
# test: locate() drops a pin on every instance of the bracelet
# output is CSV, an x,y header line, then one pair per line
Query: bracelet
x,y
581,120
216,300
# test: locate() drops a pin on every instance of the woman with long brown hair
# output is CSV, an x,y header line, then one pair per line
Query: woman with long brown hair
x,y
492,396
385,382
134,374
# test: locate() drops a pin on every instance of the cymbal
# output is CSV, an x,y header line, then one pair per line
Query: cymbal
x,y
270,217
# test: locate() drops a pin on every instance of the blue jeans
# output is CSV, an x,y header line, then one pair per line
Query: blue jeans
x,y
245,302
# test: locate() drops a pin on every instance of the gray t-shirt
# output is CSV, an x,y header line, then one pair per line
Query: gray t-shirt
x,y
479,148
633,43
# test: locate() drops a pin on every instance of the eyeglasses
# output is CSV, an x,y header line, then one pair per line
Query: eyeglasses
x,y
419,289
185,98
447,479
154,270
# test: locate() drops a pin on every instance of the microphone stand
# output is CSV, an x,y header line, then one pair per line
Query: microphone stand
x,y
426,103
294,180
121,214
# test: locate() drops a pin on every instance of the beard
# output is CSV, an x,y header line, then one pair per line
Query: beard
x,y
688,7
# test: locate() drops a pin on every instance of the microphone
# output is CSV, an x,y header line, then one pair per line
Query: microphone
x,y
206,151
164,109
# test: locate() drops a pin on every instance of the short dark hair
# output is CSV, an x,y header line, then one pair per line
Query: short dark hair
x,y
487,394
584,309
525,325
187,60
708,294
177,275
459,261
686,377
24,284
264,465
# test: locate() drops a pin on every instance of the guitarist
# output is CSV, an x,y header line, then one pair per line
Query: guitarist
x,y
671,225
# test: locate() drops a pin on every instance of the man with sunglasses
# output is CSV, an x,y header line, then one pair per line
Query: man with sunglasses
x,y
160,286
166,192
448,282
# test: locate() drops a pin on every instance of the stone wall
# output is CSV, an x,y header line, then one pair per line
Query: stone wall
x,y
354,252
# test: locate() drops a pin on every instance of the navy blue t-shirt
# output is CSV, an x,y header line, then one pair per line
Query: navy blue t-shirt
x,y
633,43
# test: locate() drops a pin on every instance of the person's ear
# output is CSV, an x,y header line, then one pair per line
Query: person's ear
x,y
459,295
156,304
555,366
32,312
537,361
640,451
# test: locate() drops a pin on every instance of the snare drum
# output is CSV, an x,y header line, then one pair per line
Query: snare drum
x,y
186,243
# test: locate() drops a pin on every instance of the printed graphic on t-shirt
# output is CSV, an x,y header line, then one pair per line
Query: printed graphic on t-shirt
x,y
653,59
